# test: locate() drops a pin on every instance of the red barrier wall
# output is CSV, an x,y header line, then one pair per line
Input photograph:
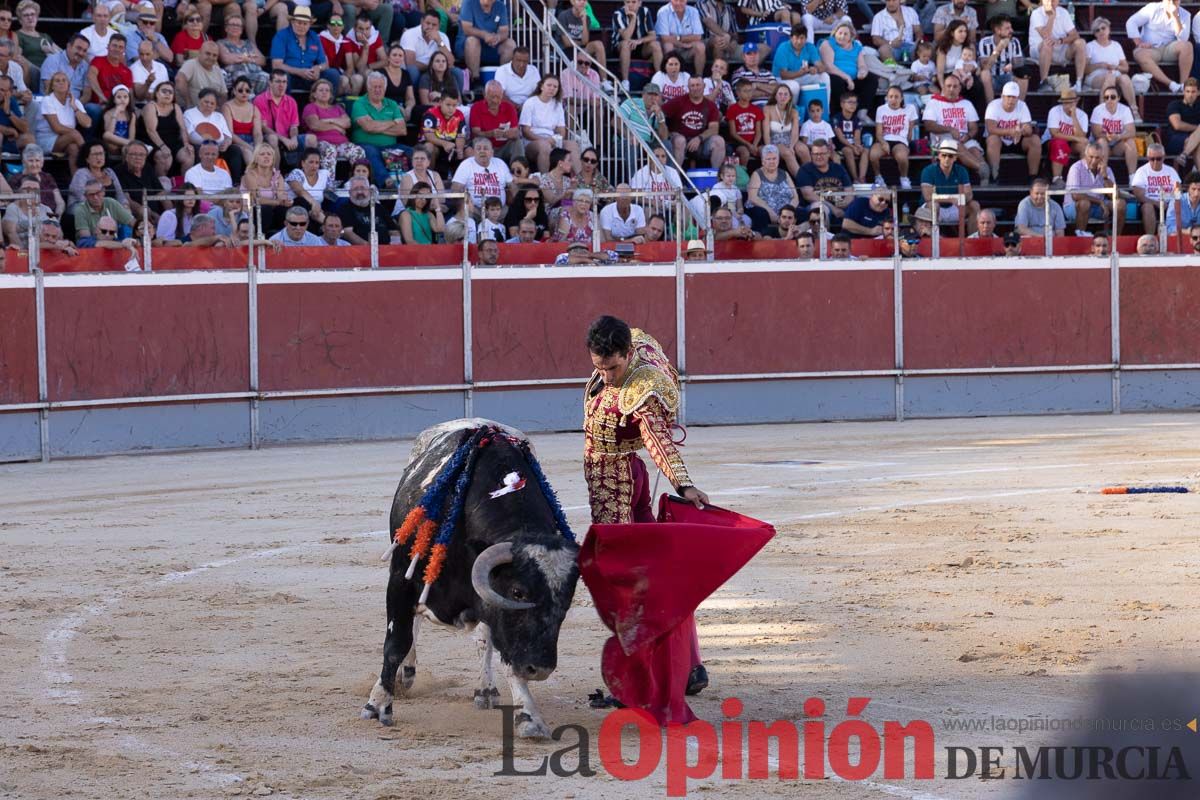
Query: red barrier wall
x,y
1160,315
790,322
534,329
18,346
1006,318
111,341
374,333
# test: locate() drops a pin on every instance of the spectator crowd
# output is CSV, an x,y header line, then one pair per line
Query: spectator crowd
x,y
795,121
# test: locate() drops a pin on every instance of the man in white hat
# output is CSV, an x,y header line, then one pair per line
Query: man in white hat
x,y
947,176
1010,130
297,51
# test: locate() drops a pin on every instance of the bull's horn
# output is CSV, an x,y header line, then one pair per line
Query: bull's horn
x,y
481,576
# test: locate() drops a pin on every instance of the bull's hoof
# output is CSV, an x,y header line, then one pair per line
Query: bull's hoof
x,y
385,716
407,676
530,728
487,698
369,712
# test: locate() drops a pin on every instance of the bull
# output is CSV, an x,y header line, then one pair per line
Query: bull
x,y
509,575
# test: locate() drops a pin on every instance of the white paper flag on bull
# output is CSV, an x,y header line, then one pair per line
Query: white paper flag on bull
x,y
513,482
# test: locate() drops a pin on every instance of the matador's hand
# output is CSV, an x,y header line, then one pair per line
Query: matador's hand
x,y
698,498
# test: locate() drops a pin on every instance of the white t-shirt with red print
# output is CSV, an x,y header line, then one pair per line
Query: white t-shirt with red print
x,y
897,122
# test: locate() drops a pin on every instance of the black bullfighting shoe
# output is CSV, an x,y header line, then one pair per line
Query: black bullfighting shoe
x,y
697,679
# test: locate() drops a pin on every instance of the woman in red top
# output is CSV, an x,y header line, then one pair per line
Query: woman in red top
x,y
187,42
244,118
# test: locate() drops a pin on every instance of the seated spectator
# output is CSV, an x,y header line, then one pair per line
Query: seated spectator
x,y
1107,67
227,214
355,211
14,129
1053,40
1031,219
371,53
244,119
519,78
1100,246
206,123
343,54
105,72
483,38
489,253
186,44
108,238
769,190
421,172
329,123
307,184
1113,129
420,219
296,233
1010,130
842,55
399,87
804,246
726,227
751,70
895,126
589,176
633,34
57,128
694,122
331,231
910,243
95,168
482,176
444,132
497,119
264,183
1012,245
1151,182
1189,203
644,117
782,127
865,216
822,175
240,57
528,207
622,220
526,233
797,61
716,88
379,14
956,9
137,179
201,73
680,30
946,176
148,73
1067,133
51,239
461,227
35,45
1159,32
825,15
788,226
847,136
895,31
94,207
578,84
1147,245
144,28
119,121
1194,236
745,120
436,81
1002,60
658,175
574,31
204,234
986,225
578,222
175,223
99,32
73,62
839,247
21,215
656,226
1183,122
948,117
491,226
721,27
671,80
378,126
579,254
1081,205
297,52
421,42
162,122
206,175
32,160
544,125
281,118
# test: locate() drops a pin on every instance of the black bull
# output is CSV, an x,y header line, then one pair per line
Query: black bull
x,y
508,574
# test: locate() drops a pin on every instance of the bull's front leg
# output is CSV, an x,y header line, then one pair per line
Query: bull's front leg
x,y
487,695
530,724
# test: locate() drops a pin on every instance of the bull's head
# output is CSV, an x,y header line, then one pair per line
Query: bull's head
x,y
526,587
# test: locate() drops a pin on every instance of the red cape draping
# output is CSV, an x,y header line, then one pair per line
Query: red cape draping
x,y
646,579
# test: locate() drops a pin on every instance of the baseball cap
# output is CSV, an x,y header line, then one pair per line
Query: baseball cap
x,y
750,47
1011,90
1012,238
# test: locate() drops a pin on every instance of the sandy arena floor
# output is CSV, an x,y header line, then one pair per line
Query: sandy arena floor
x,y
208,624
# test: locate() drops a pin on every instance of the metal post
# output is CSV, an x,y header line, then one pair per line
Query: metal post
x,y
822,245
39,295
253,232
681,333
935,208
252,301
1047,231
678,227
468,344
898,309
374,232
1114,266
147,239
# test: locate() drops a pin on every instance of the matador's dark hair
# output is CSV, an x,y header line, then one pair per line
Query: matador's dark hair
x,y
609,336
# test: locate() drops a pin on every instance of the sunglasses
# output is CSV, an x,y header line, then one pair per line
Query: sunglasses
x,y
591,161
531,199
1110,97
298,224
193,19
1196,238
107,231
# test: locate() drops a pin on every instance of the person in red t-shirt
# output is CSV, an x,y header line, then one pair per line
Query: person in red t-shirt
x,y
693,120
496,118
342,53
106,73
187,42
443,131
745,123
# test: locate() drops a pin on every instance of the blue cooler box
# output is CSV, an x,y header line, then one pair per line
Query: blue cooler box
x,y
767,35
703,178
810,92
